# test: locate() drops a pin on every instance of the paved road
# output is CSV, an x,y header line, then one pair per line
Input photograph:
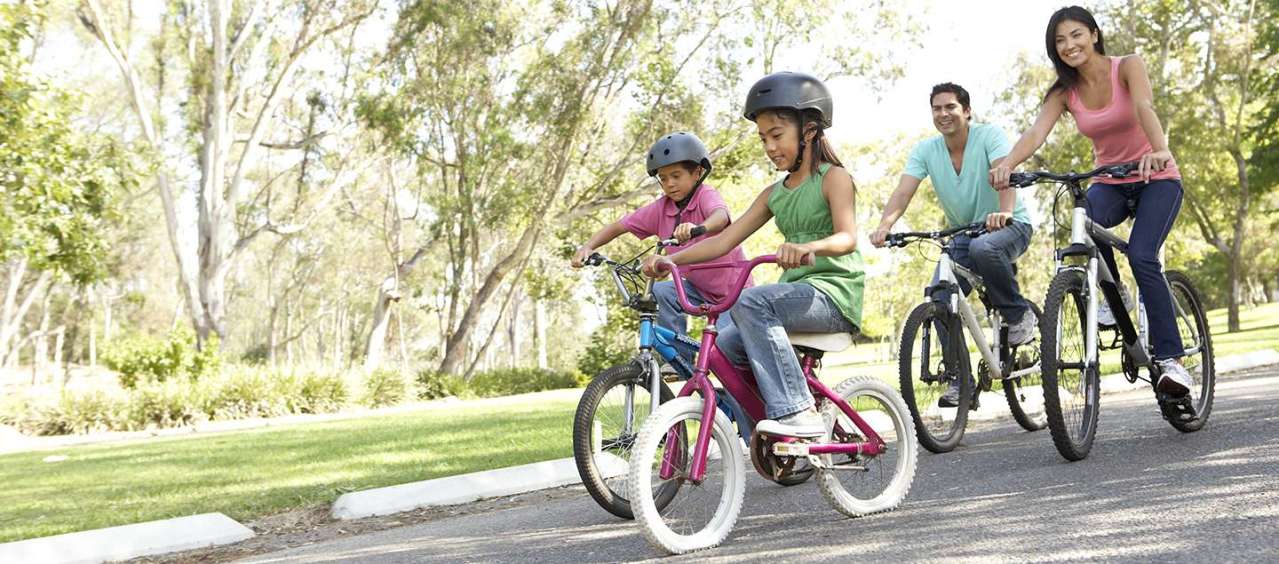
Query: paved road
x,y
1146,493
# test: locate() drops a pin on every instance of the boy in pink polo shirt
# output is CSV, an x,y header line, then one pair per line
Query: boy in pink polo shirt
x,y
680,162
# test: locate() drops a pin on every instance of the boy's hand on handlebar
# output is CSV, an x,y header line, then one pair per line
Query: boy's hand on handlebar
x,y
656,266
795,255
879,237
999,176
684,232
997,220
1153,162
580,255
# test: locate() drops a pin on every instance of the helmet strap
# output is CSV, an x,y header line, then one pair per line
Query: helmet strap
x,y
799,157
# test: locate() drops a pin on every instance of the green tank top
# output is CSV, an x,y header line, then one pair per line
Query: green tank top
x,y
803,215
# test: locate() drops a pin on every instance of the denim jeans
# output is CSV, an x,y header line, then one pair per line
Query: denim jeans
x,y
1152,220
671,316
991,256
758,339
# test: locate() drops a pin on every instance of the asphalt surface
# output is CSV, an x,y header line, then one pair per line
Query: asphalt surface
x,y
1145,493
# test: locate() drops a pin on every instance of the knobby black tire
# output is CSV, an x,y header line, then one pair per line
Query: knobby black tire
x,y
612,499
1067,285
949,438
1179,283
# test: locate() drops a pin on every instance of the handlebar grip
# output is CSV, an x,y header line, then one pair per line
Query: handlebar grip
x,y
699,231
1022,179
595,259
1122,170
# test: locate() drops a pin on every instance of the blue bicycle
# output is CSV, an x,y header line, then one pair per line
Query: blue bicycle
x,y
619,399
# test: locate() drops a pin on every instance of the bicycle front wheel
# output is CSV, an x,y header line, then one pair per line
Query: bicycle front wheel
x,y
609,415
1070,379
857,485
703,512
928,361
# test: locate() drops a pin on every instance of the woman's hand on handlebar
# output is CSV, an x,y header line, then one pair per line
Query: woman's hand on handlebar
x,y
656,266
1153,162
794,255
999,176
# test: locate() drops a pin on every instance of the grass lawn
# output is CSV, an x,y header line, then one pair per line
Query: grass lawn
x,y
249,474
254,473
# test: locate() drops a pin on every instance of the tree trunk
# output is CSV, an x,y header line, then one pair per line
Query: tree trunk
x,y
1232,308
539,332
454,352
388,294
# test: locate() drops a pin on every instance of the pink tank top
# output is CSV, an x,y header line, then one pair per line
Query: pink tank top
x,y
1116,135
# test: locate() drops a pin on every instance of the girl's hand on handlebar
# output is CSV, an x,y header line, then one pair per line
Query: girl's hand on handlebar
x,y
1153,162
795,255
650,267
579,257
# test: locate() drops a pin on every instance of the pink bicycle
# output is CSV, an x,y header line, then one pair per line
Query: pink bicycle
x,y
864,464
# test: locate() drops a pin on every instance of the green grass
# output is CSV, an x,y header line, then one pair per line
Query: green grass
x,y
254,473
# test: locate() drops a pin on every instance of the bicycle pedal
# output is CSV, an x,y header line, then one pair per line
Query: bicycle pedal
x,y
1177,408
790,449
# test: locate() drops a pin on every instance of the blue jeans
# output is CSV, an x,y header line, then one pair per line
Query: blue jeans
x,y
1152,220
671,316
758,339
991,256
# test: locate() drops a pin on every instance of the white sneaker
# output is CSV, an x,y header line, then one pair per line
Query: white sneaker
x,y
1174,380
1105,316
805,424
1023,331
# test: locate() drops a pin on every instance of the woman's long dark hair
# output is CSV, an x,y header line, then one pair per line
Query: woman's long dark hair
x,y
1068,76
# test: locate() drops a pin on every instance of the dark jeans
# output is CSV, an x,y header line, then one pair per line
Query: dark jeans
x,y
991,256
1157,206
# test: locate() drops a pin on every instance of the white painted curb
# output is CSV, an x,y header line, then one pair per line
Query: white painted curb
x,y
464,488
128,541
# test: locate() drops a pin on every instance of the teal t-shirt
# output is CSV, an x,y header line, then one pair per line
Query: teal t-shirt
x,y
966,197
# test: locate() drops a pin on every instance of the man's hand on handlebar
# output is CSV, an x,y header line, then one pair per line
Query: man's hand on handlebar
x,y
879,237
580,255
997,220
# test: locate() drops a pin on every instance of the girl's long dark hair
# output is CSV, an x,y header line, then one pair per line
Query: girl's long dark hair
x,y
1068,76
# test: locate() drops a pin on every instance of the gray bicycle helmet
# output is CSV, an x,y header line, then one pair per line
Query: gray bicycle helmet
x,y
791,90
678,147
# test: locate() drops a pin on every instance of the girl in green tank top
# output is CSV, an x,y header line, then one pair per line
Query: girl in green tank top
x,y
821,288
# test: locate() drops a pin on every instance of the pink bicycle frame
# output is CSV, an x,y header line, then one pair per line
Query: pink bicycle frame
x,y
741,384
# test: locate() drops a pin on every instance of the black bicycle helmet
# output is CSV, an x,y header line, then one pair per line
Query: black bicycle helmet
x,y
678,147
791,90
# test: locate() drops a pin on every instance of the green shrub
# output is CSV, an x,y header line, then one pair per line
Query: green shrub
x,y
384,387
611,344
167,404
78,412
139,357
510,381
250,393
435,385
319,393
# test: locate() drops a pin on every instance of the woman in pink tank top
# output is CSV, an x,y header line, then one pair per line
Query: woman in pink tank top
x,y
1112,103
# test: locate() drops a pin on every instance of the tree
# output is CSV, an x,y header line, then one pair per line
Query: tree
x,y
241,59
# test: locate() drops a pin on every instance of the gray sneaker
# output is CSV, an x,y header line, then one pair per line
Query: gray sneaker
x,y
1023,331
1105,316
805,424
1174,380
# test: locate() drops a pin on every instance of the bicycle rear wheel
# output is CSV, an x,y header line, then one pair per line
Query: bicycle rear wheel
x,y
927,364
1192,324
1070,379
604,434
1025,393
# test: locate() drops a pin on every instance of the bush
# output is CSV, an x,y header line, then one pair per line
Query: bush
x,y
510,381
319,393
139,357
435,385
384,387
75,412
167,404
250,393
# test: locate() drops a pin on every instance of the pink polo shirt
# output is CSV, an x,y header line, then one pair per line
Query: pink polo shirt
x,y
660,219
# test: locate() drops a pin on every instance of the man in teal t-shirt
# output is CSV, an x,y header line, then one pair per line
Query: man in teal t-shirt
x,y
958,161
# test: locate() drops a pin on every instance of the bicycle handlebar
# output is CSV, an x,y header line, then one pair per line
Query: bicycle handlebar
x,y
1024,179
728,301
903,239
